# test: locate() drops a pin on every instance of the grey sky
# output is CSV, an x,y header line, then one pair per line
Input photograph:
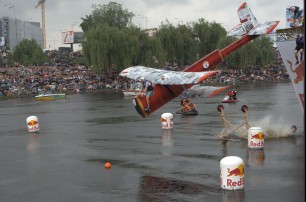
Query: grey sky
x,y
66,14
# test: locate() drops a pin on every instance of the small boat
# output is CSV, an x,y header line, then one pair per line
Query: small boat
x,y
187,107
193,112
49,93
50,96
227,99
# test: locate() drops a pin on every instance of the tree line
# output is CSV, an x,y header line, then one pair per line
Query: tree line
x,y
112,40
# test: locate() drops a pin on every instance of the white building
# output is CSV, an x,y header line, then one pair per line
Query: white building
x,y
13,31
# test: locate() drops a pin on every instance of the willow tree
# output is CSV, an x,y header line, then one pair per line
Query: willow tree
x,y
112,40
186,49
167,36
266,51
260,51
230,60
177,42
152,53
106,47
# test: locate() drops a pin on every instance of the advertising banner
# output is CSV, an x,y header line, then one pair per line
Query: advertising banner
x,y
68,37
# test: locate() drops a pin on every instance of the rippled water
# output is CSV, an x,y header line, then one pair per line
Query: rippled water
x,y
65,160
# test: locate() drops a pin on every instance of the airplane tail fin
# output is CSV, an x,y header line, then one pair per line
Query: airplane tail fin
x,y
246,16
249,24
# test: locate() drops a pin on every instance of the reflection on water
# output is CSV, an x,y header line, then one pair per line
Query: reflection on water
x,y
255,157
233,195
165,189
115,120
33,142
167,137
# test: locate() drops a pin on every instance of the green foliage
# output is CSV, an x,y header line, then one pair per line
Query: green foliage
x,y
260,51
81,60
111,14
28,52
107,46
178,43
6,60
113,41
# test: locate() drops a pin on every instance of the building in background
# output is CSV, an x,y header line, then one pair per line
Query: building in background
x,y
13,31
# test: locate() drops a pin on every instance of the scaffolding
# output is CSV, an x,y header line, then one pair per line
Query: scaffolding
x,y
289,33
233,128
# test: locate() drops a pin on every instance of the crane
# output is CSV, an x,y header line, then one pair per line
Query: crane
x,y
42,4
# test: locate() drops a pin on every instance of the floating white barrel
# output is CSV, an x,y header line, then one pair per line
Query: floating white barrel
x,y
255,138
232,173
33,124
167,121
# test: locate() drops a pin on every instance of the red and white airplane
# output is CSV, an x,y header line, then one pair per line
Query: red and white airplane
x,y
171,84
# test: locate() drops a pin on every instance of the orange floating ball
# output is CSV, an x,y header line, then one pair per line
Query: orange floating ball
x,y
108,165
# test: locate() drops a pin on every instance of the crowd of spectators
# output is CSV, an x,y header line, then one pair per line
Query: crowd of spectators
x,y
69,77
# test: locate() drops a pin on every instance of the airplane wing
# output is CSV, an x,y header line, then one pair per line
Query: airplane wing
x,y
249,24
198,91
238,30
259,29
263,28
166,77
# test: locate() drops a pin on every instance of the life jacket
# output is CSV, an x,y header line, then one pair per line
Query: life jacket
x,y
150,87
300,41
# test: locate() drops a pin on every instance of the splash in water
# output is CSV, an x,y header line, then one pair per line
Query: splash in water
x,y
274,128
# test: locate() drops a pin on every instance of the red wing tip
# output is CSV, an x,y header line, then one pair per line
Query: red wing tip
x,y
207,75
271,29
218,91
242,6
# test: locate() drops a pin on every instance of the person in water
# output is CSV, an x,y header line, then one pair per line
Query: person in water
x,y
232,94
187,105
147,90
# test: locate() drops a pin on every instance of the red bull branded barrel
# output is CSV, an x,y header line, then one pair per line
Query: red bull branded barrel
x,y
33,124
232,173
255,138
167,121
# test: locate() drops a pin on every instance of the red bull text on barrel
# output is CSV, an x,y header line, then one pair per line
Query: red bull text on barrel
x,y
232,173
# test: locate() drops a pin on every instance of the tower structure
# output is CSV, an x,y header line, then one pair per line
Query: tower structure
x,y
43,19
